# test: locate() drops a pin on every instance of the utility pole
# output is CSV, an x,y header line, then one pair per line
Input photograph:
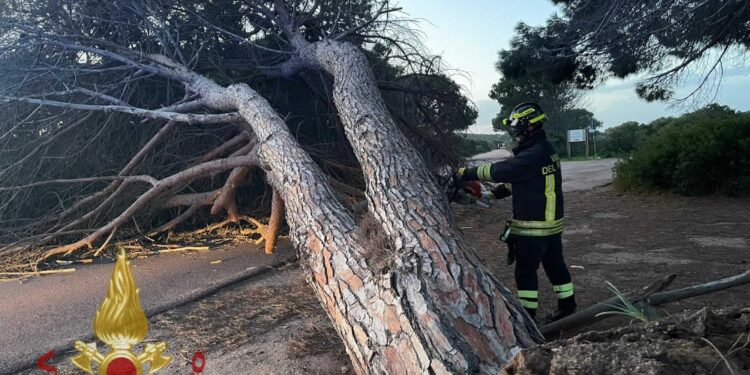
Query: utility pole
x,y
593,128
587,142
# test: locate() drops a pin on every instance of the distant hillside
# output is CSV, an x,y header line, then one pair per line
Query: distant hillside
x,y
492,138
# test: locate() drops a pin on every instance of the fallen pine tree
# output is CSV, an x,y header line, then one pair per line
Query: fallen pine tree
x,y
427,306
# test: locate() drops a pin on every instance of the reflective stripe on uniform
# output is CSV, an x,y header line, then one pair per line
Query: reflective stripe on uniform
x,y
564,290
528,294
483,172
535,232
529,224
549,192
529,298
536,228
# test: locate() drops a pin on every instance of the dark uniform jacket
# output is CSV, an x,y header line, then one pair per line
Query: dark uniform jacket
x,y
533,176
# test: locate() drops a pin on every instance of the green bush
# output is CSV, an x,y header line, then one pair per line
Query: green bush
x,y
704,152
623,139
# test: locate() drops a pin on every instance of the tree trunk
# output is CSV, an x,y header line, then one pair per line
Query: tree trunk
x,y
439,310
467,320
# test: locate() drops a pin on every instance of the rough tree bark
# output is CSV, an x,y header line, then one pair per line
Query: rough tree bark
x,y
466,305
439,310
463,318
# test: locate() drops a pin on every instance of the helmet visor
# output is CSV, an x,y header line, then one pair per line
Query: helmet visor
x,y
511,122
512,125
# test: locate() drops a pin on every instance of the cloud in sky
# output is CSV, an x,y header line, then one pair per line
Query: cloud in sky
x,y
468,34
616,101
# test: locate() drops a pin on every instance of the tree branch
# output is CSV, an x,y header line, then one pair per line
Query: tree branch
x,y
153,114
144,178
147,197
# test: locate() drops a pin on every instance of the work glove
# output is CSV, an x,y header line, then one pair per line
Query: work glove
x,y
501,191
466,174
458,178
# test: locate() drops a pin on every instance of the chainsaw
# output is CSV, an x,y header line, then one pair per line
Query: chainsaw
x,y
465,192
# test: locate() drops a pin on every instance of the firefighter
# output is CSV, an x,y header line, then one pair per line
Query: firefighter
x,y
533,236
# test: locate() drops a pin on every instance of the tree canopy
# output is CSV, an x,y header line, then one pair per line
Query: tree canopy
x,y
73,74
591,41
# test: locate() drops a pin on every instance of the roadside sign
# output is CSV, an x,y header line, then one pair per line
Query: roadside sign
x,y
576,135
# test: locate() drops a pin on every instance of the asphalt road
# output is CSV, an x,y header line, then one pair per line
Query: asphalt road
x,y
52,312
587,174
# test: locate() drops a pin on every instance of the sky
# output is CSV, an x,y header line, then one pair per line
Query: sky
x,y
469,33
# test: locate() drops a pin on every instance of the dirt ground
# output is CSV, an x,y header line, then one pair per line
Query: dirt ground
x,y
274,324
630,241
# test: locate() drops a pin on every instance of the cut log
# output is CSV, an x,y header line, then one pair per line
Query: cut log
x,y
591,314
649,296
699,290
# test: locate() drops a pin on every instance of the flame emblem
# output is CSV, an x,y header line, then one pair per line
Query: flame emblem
x,y
121,323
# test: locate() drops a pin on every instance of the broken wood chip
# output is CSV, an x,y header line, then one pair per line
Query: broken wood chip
x,y
35,273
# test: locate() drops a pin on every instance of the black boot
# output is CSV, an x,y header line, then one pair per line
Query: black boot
x,y
565,307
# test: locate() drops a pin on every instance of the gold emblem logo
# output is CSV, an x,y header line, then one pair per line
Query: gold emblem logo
x,y
121,323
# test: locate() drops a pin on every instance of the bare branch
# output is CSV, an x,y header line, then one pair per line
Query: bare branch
x,y
202,199
143,178
178,219
367,23
88,92
225,147
154,192
153,114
